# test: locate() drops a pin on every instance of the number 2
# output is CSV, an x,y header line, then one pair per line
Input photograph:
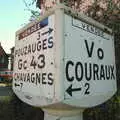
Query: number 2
x,y
87,86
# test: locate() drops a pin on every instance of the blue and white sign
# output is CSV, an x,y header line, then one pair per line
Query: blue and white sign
x,y
64,61
34,62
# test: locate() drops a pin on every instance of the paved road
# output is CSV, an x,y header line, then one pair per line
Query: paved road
x,y
5,91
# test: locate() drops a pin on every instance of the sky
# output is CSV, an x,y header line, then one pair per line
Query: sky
x,y
13,16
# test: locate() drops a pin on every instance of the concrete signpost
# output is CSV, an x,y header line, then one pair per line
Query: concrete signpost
x,y
64,63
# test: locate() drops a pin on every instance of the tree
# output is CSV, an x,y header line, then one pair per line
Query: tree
x,y
29,7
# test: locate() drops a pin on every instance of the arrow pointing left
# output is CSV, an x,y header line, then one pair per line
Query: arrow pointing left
x,y
17,85
70,90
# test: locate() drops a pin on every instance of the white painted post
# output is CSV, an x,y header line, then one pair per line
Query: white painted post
x,y
59,87
71,114
51,117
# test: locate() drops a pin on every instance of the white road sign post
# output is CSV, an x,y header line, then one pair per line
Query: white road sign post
x,y
64,63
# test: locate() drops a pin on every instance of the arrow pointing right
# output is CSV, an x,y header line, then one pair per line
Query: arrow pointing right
x,y
70,90
49,31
